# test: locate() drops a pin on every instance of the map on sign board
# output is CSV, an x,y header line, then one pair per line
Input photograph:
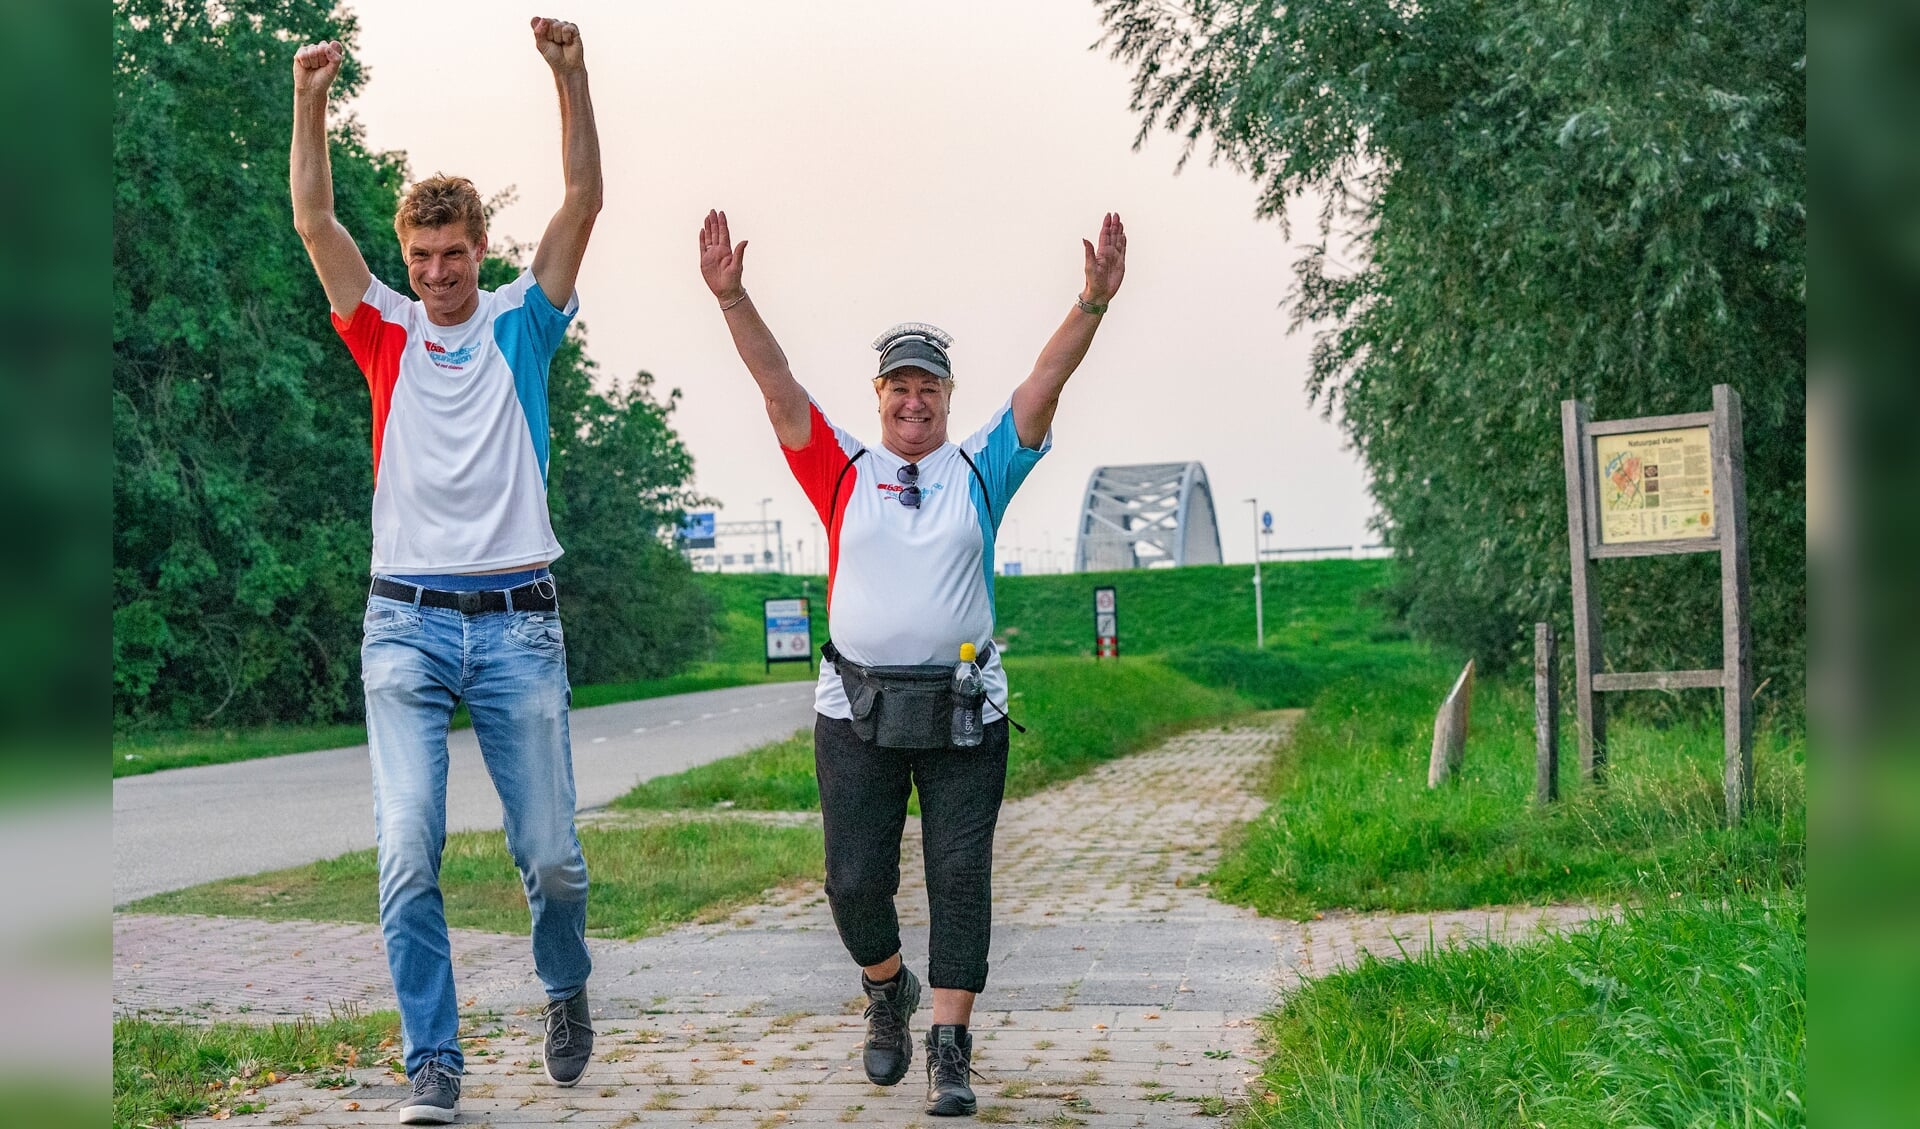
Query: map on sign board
x,y
1655,485
789,629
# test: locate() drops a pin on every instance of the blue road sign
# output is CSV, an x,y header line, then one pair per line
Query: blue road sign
x,y
698,530
1266,519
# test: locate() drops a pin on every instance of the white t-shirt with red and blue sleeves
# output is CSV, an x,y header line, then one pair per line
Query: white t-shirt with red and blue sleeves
x,y
460,435
908,586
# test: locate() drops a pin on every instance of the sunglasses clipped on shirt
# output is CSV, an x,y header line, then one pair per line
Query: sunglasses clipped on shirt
x,y
909,476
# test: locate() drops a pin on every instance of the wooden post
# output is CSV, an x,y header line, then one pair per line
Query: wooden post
x,y
1736,664
1546,715
1586,607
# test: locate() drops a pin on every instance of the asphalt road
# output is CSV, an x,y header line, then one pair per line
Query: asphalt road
x,y
184,826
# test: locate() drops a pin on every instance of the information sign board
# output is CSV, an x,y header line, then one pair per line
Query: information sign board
x,y
1654,485
1657,485
789,631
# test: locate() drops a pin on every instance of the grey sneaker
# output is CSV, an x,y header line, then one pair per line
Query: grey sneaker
x,y
889,1049
436,1096
949,1071
569,1039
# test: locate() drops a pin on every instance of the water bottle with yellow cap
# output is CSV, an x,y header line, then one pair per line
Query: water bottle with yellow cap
x,y
969,691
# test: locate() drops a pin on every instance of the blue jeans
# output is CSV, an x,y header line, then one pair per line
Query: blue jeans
x,y
511,670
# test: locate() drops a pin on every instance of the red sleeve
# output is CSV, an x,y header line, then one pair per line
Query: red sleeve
x,y
821,469
376,345
817,466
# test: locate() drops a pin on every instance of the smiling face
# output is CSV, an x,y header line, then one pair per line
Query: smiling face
x,y
913,411
443,264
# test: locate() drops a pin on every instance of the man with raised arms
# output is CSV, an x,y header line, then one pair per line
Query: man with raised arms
x,y
462,607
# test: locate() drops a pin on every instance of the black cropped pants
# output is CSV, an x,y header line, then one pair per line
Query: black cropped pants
x,y
863,804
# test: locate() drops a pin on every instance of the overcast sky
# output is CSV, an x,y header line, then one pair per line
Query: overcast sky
x,y
889,161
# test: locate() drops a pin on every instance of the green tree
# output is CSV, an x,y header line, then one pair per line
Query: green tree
x,y
241,462
1540,202
621,492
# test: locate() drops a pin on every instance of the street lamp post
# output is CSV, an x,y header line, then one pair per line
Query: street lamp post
x,y
1259,609
766,549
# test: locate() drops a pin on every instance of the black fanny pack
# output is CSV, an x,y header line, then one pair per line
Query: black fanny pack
x,y
900,707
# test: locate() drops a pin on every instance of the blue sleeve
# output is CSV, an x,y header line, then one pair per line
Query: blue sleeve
x,y
529,330
1003,462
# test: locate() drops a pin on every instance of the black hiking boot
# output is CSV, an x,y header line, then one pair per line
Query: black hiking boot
x,y
889,1048
949,1071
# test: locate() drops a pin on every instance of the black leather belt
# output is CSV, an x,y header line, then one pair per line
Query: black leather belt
x,y
536,596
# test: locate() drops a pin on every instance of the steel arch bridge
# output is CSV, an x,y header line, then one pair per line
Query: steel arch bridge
x,y
1146,516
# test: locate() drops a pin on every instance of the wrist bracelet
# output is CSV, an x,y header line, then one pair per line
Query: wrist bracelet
x,y
1089,307
725,306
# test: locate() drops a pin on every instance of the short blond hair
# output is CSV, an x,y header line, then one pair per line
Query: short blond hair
x,y
439,201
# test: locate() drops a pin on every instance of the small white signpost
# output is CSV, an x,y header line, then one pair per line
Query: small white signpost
x,y
1106,624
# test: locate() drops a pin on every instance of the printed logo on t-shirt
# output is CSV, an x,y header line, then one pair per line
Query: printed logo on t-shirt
x,y
440,356
895,488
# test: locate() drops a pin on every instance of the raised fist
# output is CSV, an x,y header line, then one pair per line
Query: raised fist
x,y
559,44
315,65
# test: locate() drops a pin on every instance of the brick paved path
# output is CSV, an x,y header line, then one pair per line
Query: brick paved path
x,y
1121,994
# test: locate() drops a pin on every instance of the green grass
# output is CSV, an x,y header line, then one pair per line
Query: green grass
x,y
135,754
1307,604
1291,676
1077,713
739,617
644,879
705,676
777,776
1352,823
1684,1014
164,1073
